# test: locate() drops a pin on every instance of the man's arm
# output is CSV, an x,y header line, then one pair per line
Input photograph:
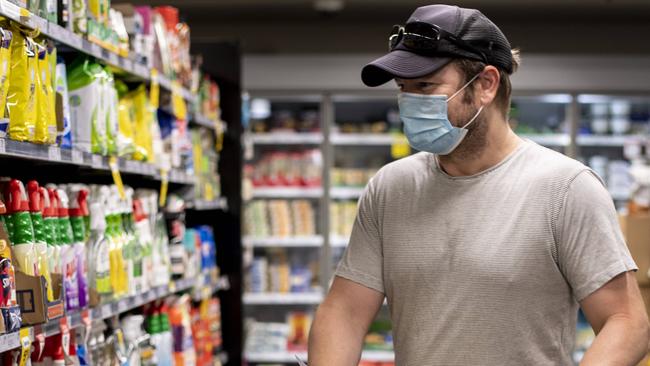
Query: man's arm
x,y
617,314
341,323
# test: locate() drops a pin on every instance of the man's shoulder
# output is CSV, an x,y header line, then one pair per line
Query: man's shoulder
x,y
418,164
543,162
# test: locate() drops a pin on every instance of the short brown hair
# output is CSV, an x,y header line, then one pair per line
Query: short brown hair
x,y
469,68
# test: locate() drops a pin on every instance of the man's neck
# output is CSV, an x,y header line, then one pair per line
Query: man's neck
x,y
501,141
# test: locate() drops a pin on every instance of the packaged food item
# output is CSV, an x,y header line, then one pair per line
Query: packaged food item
x,y
125,136
21,96
109,99
85,92
40,239
143,124
62,104
6,37
46,130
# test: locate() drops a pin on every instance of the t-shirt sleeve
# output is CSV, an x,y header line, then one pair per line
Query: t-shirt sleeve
x,y
362,261
591,248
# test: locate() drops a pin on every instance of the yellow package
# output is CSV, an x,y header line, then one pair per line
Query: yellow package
x,y
5,58
21,96
126,147
42,98
143,120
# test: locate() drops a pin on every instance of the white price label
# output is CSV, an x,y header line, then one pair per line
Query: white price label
x,y
97,161
113,58
96,50
3,148
122,306
54,153
107,312
77,157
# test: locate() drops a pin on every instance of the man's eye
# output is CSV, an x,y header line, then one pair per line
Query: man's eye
x,y
425,85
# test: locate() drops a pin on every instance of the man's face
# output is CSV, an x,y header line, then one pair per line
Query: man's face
x,y
461,109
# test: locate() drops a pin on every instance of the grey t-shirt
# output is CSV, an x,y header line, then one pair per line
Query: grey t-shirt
x,y
486,269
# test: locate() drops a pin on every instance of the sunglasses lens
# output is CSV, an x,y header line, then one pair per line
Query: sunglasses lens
x,y
395,37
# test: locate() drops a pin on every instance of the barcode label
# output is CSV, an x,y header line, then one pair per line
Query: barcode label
x,y
54,153
97,162
77,157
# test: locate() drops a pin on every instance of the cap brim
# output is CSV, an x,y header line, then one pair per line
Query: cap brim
x,y
401,64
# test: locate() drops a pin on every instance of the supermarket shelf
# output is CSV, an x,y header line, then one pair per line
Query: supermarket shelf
x,y
202,121
287,192
548,139
286,138
73,40
362,139
306,298
220,203
54,154
75,320
606,140
344,193
290,357
620,195
337,241
295,242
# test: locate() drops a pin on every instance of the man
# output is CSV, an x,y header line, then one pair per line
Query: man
x,y
484,244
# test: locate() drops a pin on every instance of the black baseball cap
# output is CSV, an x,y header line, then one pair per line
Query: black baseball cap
x,y
467,26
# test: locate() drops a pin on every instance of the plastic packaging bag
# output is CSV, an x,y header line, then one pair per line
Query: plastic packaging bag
x,y
5,59
64,136
21,96
85,92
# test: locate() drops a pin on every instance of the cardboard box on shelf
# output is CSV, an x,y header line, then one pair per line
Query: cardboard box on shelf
x,y
32,297
636,229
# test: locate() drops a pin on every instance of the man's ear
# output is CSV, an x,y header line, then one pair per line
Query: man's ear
x,y
488,82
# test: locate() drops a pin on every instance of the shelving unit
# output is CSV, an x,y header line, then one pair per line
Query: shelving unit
x,y
346,193
286,138
75,41
287,192
78,319
288,242
222,213
290,357
297,298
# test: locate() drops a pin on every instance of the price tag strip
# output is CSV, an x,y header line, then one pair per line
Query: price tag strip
x,y
54,153
3,148
25,346
97,161
77,157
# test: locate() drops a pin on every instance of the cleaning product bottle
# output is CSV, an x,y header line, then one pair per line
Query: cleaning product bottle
x,y
126,241
145,237
84,88
40,240
23,231
68,257
99,269
136,246
64,136
51,223
116,247
79,210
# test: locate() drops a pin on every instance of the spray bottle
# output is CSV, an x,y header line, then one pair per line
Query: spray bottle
x,y
98,256
40,240
50,223
136,246
68,257
116,240
22,235
78,211
143,229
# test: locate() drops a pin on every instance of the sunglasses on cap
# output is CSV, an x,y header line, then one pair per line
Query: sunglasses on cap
x,y
425,38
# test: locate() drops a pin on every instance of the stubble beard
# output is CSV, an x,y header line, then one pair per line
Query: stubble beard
x,y
475,142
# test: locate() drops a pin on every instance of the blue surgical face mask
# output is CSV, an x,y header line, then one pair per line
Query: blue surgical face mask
x,y
426,122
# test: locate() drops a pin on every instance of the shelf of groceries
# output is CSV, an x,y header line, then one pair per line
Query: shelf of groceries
x,y
60,34
283,298
284,242
79,319
387,139
290,357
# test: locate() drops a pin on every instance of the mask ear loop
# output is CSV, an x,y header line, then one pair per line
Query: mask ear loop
x,y
464,86
473,118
